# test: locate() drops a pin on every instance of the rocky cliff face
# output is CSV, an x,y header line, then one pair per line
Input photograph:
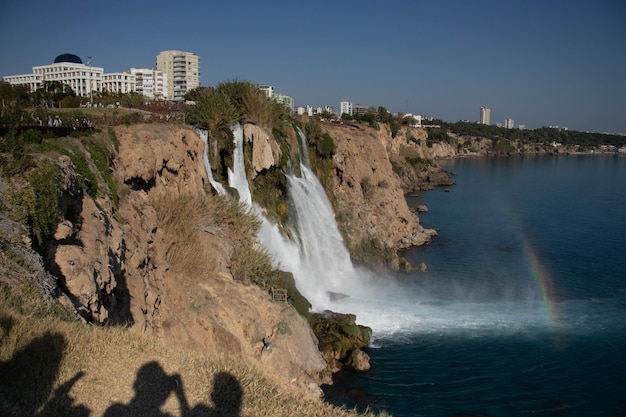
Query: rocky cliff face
x,y
112,262
369,197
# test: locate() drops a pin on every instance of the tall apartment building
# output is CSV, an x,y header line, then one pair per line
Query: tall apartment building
x,y
485,115
509,123
183,72
345,107
151,83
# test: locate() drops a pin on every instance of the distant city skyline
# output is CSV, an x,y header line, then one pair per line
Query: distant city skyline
x,y
541,63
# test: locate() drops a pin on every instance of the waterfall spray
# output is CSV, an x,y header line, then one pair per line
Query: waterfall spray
x,y
319,261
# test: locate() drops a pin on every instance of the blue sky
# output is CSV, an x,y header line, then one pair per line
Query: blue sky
x,y
541,63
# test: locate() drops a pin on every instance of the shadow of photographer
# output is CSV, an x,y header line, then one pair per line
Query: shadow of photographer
x,y
27,379
153,386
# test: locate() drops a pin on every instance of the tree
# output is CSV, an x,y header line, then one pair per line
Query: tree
x,y
10,94
213,111
53,92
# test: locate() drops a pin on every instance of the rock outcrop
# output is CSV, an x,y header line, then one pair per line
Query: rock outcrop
x,y
341,340
369,197
265,151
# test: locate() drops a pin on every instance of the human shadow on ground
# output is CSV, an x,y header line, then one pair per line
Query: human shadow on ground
x,y
226,396
27,379
153,386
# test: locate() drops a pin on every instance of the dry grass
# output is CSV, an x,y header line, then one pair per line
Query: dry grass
x,y
50,367
187,219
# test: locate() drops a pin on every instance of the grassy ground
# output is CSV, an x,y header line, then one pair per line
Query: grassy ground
x,y
53,367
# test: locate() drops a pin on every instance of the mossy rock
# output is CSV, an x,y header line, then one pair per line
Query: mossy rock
x,y
298,301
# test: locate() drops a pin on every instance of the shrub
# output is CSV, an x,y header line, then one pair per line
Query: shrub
x,y
32,136
43,212
252,264
102,159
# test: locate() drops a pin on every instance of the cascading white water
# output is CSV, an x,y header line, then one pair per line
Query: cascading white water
x,y
319,261
237,176
325,262
204,135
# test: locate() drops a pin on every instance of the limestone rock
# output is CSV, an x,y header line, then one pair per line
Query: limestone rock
x,y
265,150
358,360
369,197
339,334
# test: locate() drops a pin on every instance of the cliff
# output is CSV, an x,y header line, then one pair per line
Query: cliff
x,y
116,262
368,189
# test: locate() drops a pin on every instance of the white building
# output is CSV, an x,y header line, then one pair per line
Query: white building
x,y
345,107
509,123
285,100
118,82
183,72
151,83
485,116
268,90
67,69
417,119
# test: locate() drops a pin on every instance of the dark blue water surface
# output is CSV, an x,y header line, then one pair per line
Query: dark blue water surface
x,y
522,309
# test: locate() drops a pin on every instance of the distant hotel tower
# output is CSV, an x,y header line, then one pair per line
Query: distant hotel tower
x,y
485,114
183,72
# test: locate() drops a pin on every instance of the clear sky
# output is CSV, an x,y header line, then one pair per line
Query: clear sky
x,y
539,62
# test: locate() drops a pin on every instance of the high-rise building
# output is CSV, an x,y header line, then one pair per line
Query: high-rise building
x,y
509,123
183,72
345,108
151,83
485,115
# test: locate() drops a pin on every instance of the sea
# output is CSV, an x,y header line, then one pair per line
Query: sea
x,y
522,308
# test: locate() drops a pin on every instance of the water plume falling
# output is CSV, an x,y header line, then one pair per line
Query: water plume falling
x,y
204,135
319,261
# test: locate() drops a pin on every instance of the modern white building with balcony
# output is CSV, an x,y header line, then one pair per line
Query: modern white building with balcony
x,y
118,82
345,108
151,83
183,72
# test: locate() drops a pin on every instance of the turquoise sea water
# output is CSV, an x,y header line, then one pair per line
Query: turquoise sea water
x,y
522,310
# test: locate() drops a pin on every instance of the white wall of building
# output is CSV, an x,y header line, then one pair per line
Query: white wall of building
x,y
345,108
118,82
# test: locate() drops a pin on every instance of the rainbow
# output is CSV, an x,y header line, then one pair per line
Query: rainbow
x,y
543,281
545,285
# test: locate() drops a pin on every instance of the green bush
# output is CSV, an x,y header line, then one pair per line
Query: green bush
x,y
102,160
43,212
86,177
32,136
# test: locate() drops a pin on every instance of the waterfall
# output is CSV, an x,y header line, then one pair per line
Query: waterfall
x,y
237,176
325,262
204,135
319,260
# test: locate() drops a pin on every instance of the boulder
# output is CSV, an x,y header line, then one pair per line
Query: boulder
x,y
358,360
338,334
